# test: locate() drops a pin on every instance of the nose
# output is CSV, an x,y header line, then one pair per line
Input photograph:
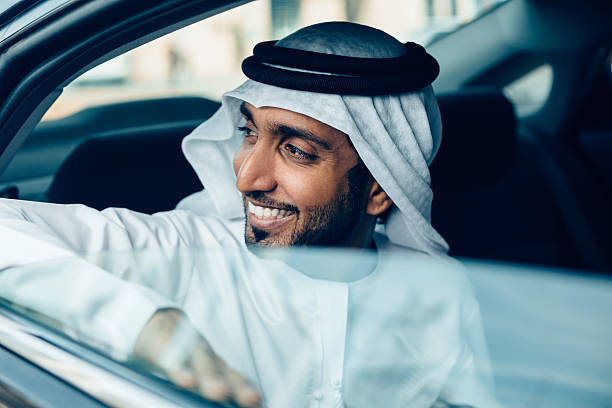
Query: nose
x,y
256,172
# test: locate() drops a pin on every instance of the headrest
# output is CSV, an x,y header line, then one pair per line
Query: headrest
x,y
478,139
141,170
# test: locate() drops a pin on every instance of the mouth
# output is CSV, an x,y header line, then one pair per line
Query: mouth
x,y
268,218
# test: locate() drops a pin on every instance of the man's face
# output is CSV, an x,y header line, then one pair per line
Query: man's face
x,y
299,180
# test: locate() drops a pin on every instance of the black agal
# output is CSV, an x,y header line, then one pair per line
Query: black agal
x,y
338,74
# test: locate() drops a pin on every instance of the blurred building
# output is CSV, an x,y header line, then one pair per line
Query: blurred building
x,y
204,58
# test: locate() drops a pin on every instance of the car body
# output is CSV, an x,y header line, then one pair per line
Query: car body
x,y
526,182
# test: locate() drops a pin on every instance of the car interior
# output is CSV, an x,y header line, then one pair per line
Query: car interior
x,y
527,188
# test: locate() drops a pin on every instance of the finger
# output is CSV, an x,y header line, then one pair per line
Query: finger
x,y
184,378
214,388
242,391
208,369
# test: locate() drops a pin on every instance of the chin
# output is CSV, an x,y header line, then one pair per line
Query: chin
x,y
260,238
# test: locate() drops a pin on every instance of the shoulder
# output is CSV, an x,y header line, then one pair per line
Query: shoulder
x,y
203,231
179,227
422,275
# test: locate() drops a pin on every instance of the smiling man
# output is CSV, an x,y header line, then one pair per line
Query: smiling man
x,y
336,126
333,131
303,183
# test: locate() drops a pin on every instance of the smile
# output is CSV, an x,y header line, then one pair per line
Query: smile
x,y
267,218
268,213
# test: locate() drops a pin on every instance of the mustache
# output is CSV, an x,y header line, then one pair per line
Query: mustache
x,y
261,197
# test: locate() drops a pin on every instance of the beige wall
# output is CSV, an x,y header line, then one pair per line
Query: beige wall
x,y
209,48
312,11
207,54
398,19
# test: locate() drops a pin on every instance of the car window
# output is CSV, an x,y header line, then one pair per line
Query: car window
x,y
241,309
204,58
529,92
201,60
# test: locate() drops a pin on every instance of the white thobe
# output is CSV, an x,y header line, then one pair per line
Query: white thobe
x,y
403,333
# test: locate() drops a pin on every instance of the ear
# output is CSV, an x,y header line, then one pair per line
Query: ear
x,y
378,200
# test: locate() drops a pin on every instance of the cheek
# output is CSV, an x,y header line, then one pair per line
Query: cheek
x,y
308,189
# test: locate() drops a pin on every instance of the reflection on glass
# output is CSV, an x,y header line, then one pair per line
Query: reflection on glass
x,y
288,326
316,325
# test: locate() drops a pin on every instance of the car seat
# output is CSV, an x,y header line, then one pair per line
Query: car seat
x,y
143,171
493,196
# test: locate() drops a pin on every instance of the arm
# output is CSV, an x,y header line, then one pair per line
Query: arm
x,y
53,261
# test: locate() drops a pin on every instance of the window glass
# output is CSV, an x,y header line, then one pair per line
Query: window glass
x,y
307,326
530,92
204,59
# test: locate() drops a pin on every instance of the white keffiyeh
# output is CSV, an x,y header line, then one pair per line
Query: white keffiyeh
x,y
396,136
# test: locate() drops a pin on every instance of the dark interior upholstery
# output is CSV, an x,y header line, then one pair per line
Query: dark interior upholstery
x,y
479,140
135,159
492,198
595,127
143,171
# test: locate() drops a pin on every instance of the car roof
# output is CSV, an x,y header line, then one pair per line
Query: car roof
x,y
16,14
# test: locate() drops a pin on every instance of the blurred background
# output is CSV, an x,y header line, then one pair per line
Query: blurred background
x,y
203,59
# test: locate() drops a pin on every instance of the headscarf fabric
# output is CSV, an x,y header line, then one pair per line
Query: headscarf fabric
x,y
396,135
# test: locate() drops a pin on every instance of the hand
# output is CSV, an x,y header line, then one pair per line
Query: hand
x,y
170,343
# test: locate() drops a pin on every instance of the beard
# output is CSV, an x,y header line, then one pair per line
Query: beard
x,y
325,225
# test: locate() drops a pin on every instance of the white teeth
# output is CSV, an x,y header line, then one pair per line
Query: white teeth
x,y
267,213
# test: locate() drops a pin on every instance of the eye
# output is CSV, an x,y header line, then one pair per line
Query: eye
x,y
249,134
298,153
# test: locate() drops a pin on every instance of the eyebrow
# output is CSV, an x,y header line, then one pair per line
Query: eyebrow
x,y
285,130
288,131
